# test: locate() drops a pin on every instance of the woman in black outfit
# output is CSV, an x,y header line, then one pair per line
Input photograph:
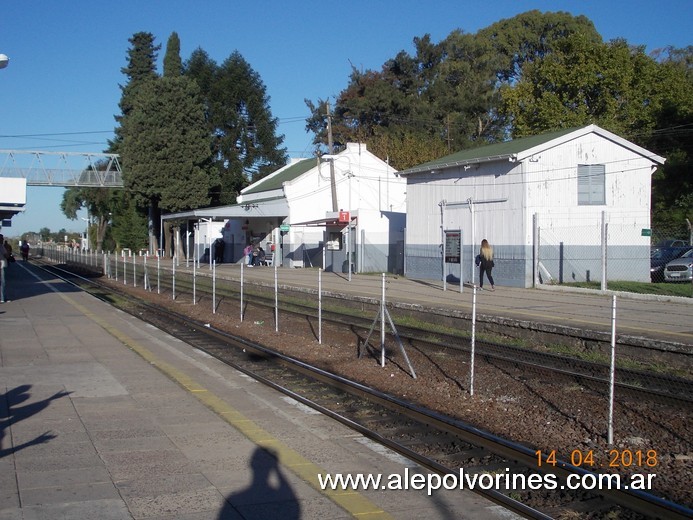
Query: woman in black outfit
x,y
486,264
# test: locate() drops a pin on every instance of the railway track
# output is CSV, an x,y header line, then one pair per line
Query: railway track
x,y
638,384
437,442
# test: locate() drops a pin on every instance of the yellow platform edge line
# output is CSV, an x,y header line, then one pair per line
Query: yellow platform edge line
x,y
351,501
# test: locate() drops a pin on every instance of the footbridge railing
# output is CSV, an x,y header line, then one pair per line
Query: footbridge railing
x,y
70,169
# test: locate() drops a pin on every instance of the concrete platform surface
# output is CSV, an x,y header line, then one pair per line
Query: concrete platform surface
x,y
106,417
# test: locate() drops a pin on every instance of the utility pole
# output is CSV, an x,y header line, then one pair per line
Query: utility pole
x,y
330,145
448,138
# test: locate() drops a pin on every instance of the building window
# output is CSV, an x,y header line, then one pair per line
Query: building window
x,y
591,184
334,243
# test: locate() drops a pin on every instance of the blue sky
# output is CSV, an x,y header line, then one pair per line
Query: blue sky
x,y
61,88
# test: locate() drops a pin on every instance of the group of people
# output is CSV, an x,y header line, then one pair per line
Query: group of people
x,y
255,256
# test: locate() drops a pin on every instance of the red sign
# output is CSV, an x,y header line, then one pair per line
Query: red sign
x,y
344,217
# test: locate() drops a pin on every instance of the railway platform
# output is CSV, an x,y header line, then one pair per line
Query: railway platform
x,y
106,417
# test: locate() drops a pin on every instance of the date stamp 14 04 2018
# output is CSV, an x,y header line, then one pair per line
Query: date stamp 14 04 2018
x,y
609,459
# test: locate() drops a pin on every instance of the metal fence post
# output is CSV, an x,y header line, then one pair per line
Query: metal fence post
x,y
604,251
471,364
382,323
147,284
276,301
242,272
612,371
320,305
535,246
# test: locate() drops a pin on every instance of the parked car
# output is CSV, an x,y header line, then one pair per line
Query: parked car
x,y
680,269
672,243
661,257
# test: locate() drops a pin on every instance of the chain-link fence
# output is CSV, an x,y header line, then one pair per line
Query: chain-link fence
x,y
617,251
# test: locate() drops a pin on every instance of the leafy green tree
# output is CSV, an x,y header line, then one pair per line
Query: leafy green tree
x,y
98,202
387,108
130,224
532,36
582,82
45,233
620,88
446,95
245,143
672,194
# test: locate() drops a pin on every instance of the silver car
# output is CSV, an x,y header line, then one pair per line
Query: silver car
x,y
680,269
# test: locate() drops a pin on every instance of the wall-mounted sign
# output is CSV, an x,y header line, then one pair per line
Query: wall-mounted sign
x,y
344,217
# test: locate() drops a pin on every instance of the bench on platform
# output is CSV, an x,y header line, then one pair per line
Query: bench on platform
x,y
269,259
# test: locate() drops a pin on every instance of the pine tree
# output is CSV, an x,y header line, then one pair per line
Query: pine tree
x,y
173,66
165,150
245,143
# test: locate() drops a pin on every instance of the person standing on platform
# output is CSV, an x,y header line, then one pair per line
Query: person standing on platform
x,y
5,254
485,263
248,254
24,248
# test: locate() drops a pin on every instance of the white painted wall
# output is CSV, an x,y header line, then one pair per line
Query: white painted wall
x,y
365,185
551,190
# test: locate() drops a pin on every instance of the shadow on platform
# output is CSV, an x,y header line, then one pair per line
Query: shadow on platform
x,y
268,496
11,413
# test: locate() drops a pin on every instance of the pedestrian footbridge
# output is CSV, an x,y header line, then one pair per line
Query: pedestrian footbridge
x,y
68,169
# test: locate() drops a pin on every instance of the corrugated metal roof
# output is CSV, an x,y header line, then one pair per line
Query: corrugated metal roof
x,y
275,182
490,152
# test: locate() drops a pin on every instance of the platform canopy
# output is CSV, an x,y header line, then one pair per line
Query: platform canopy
x,y
12,197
